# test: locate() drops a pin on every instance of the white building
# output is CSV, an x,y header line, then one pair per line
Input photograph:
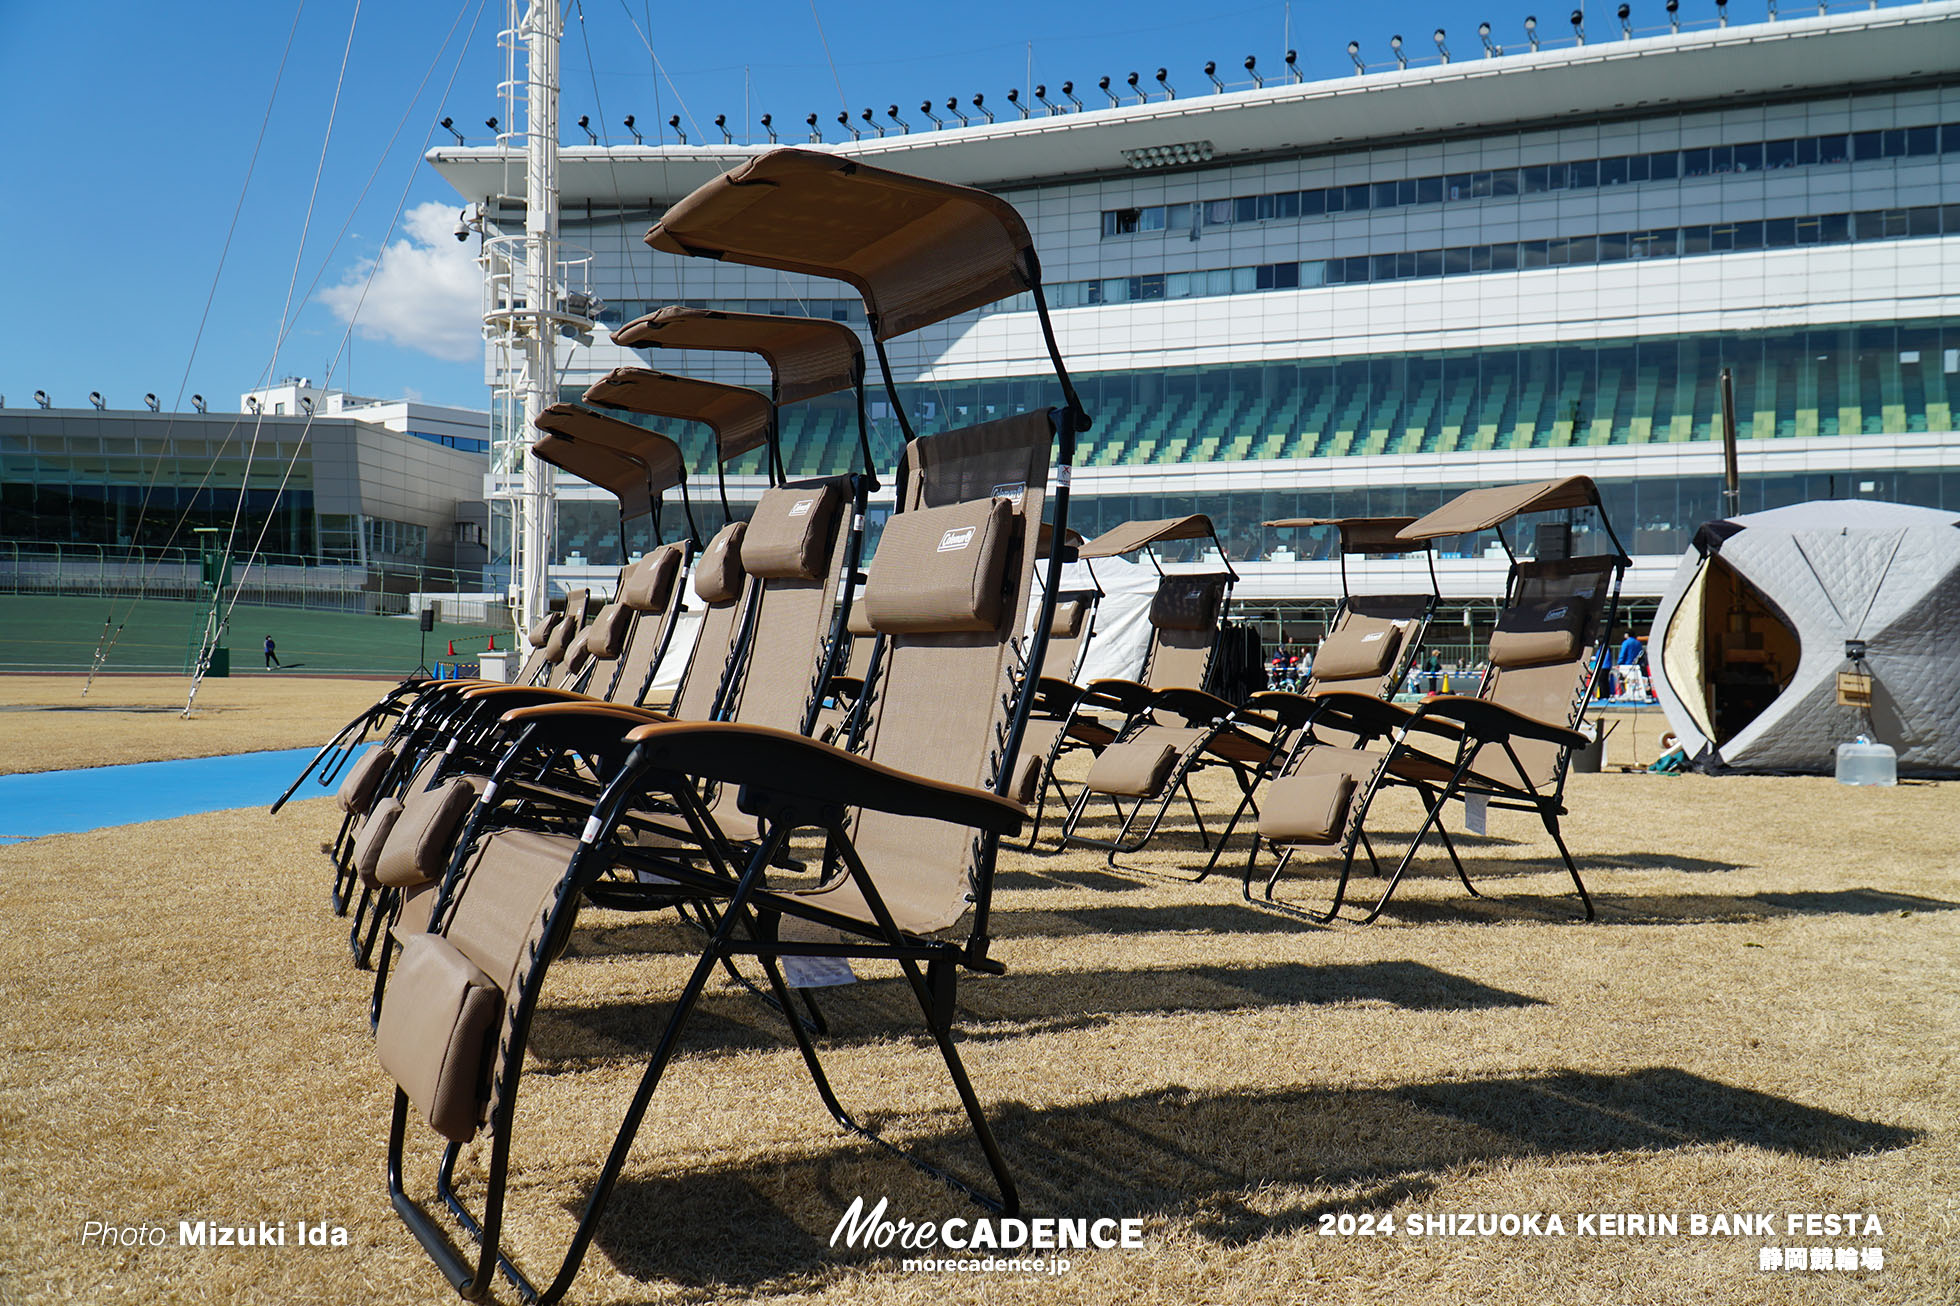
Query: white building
x,y
1365,294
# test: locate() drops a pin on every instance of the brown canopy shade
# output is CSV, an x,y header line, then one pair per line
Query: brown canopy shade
x,y
1479,510
630,462
1131,536
919,251
738,415
1358,534
807,356
1070,536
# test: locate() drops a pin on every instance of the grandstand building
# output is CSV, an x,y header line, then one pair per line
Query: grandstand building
x,y
1364,294
354,509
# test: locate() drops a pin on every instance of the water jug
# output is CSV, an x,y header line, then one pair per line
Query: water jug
x,y
1862,762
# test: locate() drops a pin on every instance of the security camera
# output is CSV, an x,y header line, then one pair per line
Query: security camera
x,y
462,229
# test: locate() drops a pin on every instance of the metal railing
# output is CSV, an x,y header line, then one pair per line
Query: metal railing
x,y
48,569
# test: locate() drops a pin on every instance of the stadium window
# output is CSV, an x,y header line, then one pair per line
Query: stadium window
x,y
1536,180
1480,258
1894,142
1383,195
1406,191
1867,145
1460,185
1405,264
1782,154
1116,290
1613,172
1312,273
1356,271
1121,222
1286,204
1245,208
1532,254
1177,285
1456,262
1835,228
1613,247
1151,219
1721,158
1950,138
1177,217
1664,166
1695,240
1810,231
1748,158
1504,257
1580,249
1695,163
1721,237
1334,199
1583,175
1218,212
1286,276
1748,235
1555,251
1149,286
1429,190
1356,198
1923,220
1834,149
1244,279
1312,203
1265,207
1503,183
1921,141
1332,270
1429,262
1219,282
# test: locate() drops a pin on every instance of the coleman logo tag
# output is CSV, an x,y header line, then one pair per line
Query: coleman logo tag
x,y
1371,636
801,508
954,540
1553,614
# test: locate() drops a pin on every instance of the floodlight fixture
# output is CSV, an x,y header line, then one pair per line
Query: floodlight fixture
x,y
197,402
904,127
1104,84
585,125
1068,89
925,107
95,400
1491,49
491,123
1395,44
872,123
816,132
1041,94
1211,71
727,138
1531,30
1578,21
674,121
844,121
150,402
1674,16
637,138
1252,66
41,398
1441,47
980,103
767,125
1721,13
449,125
1354,53
953,107
1163,80
1293,73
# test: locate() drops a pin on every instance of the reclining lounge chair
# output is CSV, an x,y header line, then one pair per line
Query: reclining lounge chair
x,y
910,829
1507,747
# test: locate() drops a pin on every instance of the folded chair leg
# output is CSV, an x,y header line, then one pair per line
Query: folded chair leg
x,y
361,910
1238,813
1551,824
1465,755
1204,839
386,905
1431,802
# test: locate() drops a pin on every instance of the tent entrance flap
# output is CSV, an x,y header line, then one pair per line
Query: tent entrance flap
x,y
1749,651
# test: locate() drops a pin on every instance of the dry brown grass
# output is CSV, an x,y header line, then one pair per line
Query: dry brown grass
x,y
1765,1018
50,727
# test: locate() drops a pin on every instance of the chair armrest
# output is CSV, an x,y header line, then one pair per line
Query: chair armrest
x,y
1193,704
1284,706
587,726
1055,696
767,761
1124,695
1494,721
1361,713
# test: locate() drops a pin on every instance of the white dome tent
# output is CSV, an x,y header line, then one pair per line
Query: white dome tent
x,y
1766,609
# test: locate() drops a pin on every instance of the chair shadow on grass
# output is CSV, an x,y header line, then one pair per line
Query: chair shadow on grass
x,y
1021,1004
1561,907
1236,1167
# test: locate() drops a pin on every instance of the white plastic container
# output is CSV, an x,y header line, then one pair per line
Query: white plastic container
x,y
1862,762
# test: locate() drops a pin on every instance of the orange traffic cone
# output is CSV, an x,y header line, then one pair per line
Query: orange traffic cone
x,y
493,645
452,648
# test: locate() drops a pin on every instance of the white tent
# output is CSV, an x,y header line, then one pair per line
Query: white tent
x,y
1755,627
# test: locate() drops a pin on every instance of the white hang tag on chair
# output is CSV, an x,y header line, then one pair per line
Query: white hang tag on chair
x,y
1476,813
817,972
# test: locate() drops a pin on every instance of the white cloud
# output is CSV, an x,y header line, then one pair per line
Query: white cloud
x,y
427,295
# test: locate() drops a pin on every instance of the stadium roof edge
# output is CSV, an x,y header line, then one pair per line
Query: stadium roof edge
x,y
1719,67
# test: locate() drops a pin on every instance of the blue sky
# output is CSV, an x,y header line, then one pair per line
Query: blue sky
x,y
137,126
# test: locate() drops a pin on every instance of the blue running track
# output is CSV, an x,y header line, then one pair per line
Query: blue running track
x,y
63,802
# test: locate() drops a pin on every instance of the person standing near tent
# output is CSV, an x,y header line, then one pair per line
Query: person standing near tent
x,y
271,655
1632,677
